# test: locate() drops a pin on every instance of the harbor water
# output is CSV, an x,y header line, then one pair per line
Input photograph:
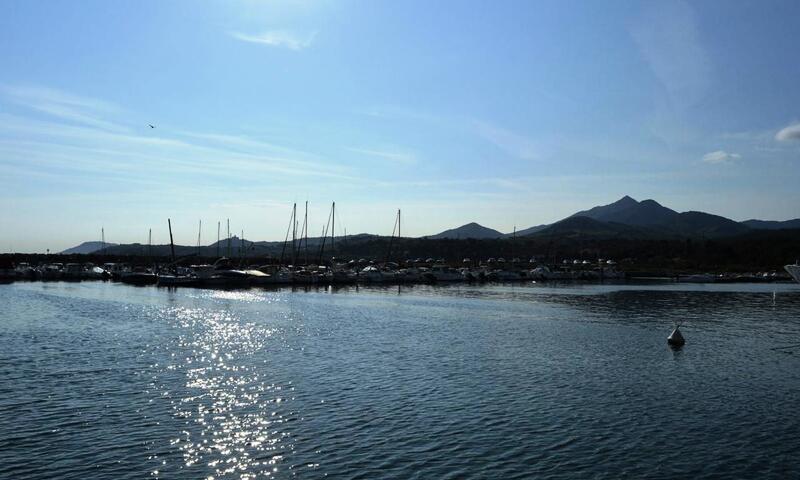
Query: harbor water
x,y
103,380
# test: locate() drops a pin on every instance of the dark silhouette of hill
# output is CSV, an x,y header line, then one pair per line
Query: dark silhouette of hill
x,y
772,224
86,247
656,218
470,230
577,226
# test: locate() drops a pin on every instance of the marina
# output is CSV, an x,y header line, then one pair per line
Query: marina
x,y
368,240
228,273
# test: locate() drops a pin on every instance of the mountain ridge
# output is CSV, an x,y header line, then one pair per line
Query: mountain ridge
x,y
626,216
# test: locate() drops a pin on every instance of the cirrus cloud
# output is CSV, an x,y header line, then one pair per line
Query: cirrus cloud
x,y
278,38
720,156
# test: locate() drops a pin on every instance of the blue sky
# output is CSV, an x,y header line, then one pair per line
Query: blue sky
x,y
505,113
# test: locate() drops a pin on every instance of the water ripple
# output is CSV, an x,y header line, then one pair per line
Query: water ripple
x,y
505,381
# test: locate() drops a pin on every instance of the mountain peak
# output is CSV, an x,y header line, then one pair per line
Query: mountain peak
x,y
626,200
470,230
650,202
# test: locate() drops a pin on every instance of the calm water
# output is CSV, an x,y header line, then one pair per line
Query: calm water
x,y
101,380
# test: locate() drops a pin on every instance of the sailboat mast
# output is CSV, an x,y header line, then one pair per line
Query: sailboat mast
x,y
513,241
199,231
103,239
218,227
305,230
150,243
286,239
294,234
394,229
229,238
171,243
333,225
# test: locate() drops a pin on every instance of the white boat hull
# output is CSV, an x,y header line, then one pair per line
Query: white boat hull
x,y
794,271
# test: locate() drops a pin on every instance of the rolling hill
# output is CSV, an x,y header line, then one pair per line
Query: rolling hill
x,y
470,230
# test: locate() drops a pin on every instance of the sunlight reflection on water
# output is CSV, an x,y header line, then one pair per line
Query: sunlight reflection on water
x,y
229,408
497,381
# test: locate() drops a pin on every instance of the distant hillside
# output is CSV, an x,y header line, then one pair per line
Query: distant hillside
x,y
589,227
706,225
87,247
772,224
526,231
652,215
242,248
470,230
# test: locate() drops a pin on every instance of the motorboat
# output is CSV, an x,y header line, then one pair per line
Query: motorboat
x,y
25,271
73,271
257,277
227,279
138,276
443,273
178,279
372,274
794,271
52,271
501,275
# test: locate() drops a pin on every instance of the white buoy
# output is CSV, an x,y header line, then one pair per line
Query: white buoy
x,y
675,338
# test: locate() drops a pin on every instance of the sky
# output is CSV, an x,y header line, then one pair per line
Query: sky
x,y
512,113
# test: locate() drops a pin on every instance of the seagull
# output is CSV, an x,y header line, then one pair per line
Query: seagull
x,y
150,126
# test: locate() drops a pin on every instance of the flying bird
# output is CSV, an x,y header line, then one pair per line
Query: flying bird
x,y
150,126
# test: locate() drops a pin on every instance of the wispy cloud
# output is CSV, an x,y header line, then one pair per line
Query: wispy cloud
x,y
511,142
65,106
669,39
720,156
791,132
391,155
278,38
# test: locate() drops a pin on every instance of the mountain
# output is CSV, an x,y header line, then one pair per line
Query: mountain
x,y
87,247
527,231
630,212
586,226
655,218
707,225
772,224
470,230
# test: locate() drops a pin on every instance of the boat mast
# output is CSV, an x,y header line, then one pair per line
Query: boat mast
x,y
199,230
171,243
103,240
294,234
333,225
513,241
229,238
218,225
305,230
286,239
395,228
325,233
150,243
398,232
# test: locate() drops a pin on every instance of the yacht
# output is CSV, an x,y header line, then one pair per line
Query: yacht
x,y
443,273
794,271
138,276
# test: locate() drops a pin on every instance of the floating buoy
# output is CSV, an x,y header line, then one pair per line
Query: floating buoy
x,y
675,338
